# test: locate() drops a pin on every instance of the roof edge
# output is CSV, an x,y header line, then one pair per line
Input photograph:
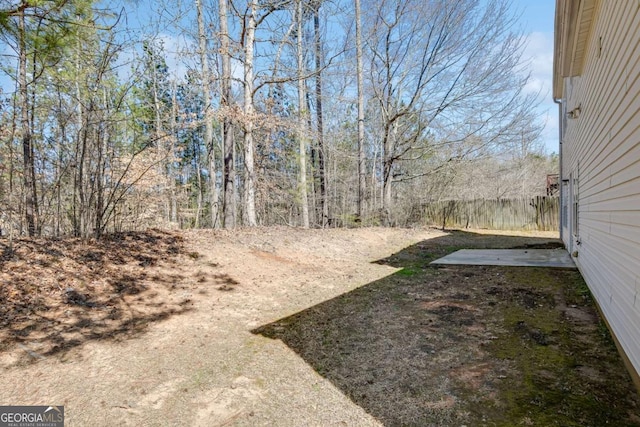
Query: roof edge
x,y
572,17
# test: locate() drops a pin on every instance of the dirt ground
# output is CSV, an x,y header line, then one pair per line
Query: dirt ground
x,y
291,327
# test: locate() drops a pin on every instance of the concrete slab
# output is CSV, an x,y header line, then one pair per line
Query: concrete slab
x,y
558,258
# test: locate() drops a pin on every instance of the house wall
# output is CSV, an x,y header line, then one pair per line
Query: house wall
x,y
601,166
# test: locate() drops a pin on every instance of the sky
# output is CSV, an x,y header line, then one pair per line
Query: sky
x,y
537,22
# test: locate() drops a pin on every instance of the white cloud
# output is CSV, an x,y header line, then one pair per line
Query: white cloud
x,y
179,53
540,48
538,54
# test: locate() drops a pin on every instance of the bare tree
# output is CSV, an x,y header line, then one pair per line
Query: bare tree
x,y
208,111
29,174
249,162
227,125
320,155
362,184
92,147
302,117
443,72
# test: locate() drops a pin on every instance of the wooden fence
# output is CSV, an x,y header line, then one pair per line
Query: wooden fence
x,y
534,213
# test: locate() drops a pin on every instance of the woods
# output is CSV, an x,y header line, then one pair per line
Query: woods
x,y
234,113
537,213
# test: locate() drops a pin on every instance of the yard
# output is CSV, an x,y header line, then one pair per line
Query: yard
x,y
292,327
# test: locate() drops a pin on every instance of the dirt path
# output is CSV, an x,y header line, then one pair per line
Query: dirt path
x,y
289,327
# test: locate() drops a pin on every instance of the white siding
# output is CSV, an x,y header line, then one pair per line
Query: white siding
x,y
602,148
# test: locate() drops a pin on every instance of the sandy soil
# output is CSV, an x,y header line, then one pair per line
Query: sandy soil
x,y
185,354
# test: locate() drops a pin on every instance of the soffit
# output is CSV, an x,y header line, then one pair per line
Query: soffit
x,y
573,23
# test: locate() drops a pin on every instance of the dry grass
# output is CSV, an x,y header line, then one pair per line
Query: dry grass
x,y
59,294
162,328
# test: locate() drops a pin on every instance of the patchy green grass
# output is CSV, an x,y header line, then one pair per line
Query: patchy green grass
x,y
409,271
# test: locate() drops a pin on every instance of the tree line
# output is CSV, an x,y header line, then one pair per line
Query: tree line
x,y
254,112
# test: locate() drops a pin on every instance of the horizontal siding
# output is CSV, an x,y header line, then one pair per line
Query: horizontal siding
x,y
614,256
607,198
626,168
601,89
621,141
629,203
630,234
622,152
604,100
624,217
602,148
616,295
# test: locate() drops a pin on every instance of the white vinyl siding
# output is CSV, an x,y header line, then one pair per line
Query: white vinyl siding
x,y
602,146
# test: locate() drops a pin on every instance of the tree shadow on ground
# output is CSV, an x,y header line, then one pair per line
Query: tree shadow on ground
x,y
467,345
57,294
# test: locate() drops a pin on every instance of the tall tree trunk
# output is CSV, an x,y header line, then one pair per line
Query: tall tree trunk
x,y
249,167
302,180
77,172
159,132
387,178
320,124
362,186
59,158
313,190
208,129
29,173
81,167
227,129
171,170
374,181
388,139
102,141
198,173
